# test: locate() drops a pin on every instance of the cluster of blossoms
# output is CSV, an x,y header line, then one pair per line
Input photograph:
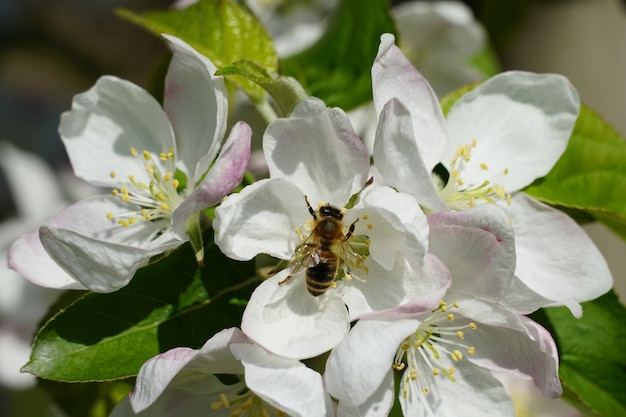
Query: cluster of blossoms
x,y
410,278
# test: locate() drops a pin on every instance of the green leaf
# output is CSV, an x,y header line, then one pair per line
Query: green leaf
x,y
220,29
337,68
592,362
591,174
170,303
285,91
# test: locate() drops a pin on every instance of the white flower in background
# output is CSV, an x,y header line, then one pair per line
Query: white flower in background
x,y
228,376
440,39
36,196
160,164
445,352
380,242
495,140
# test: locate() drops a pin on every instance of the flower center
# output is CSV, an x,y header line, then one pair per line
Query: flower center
x,y
421,354
246,404
156,199
457,195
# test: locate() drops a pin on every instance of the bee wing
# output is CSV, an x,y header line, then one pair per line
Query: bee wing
x,y
353,263
305,255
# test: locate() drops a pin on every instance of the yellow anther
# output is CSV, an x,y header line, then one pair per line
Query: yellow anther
x,y
405,346
472,326
365,217
425,390
133,151
474,143
115,191
112,174
370,226
454,173
333,285
457,355
450,316
125,198
132,180
442,303
435,371
167,176
471,350
343,210
150,168
460,334
164,206
347,276
413,374
163,156
508,199
455,304
506,171
110,216
175,183
298,230
146,155
368,242
444,309
132,220
161,196
451,371
398,366
484,167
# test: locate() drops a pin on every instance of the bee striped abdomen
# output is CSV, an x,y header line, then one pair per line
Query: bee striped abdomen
x,y
320,277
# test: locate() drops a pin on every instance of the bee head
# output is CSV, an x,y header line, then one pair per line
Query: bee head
x,y
330,211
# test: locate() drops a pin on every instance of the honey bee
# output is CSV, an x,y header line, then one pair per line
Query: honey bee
x,y
325,251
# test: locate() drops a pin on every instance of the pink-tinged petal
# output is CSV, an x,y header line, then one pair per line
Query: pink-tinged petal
x,y
222,178
108,120
157,373
358,366
313,325
478,247
555,257
504,340
262,218
28,258
286,384
399,159
473,391
393,76
196,102
521,123
318,151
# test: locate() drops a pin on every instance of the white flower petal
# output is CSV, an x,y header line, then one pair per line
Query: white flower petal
x,y
196,102
15,353
378,405
399,159
474,391
318,151
286,384
521,123
105,122
358,366
555,257
28,258
394,76
262,218
478,247
225,174
288,321
158,372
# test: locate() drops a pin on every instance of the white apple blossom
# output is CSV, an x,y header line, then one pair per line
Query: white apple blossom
x,y
445,351
495,140
316,155
228,376
158,160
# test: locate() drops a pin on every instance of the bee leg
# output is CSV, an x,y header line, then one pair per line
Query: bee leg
x,y
350,231
285,280
310,208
